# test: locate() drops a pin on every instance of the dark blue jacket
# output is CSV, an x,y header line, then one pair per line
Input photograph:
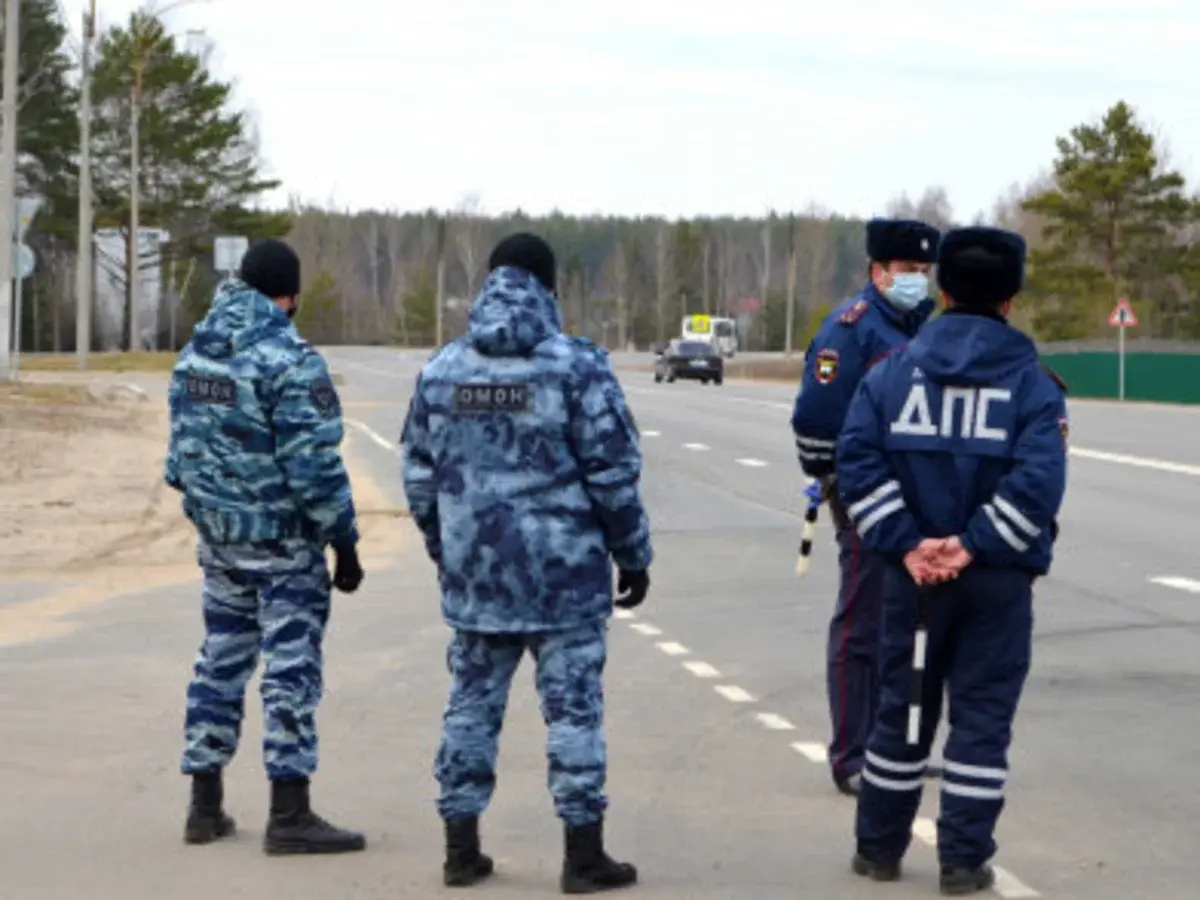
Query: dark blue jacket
x,y
962,432
856,335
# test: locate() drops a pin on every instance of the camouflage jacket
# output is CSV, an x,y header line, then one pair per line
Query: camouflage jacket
x,y
256,426
522,468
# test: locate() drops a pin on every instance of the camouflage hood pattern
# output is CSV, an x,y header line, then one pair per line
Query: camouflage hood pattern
x,y
512,314
239,317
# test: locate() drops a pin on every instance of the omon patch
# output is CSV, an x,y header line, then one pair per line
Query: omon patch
x,y
492,398
208,389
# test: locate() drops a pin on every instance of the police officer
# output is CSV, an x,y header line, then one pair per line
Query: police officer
x,y
255,429
522,469
888,311
952,465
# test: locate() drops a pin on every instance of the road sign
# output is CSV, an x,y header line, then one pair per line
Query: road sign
x,y
26,261
1122,315
27,209
228,251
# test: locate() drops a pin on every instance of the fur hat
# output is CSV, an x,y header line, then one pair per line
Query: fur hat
x,y
906,239
981,266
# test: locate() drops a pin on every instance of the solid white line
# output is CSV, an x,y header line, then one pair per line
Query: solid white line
x,y
733,693
812,752
651,433
1180,584
774,722
701,669
696,446
1009,886
624,614
374,435
752,463
645,628
1139,462
672,649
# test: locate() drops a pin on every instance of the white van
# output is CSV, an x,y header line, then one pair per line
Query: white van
x,y
721,333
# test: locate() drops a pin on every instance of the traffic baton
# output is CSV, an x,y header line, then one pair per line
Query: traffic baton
x,y
916,685
813,493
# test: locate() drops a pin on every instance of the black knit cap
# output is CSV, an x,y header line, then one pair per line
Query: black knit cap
x,y
272,268
528,252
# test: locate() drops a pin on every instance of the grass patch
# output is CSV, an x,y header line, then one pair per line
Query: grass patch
x,y
19,392
137,361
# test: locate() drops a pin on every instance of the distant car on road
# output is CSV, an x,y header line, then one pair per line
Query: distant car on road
x,y
697,360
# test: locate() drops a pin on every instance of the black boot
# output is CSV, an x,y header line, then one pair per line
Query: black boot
x,y
294,828
206,820
465,864
957,881
587,869
875,869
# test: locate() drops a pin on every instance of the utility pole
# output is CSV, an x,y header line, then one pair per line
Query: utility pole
x,y
8,177
791,288
83,250
135,194
439,299
766,270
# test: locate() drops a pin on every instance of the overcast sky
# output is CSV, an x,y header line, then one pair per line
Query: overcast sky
x,y
686,107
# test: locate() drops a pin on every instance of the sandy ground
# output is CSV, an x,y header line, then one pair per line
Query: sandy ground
x,y
84,513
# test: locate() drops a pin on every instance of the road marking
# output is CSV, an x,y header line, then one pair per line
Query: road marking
x,y
925,830
672,649
812,752
774,722
624,614
645,628
701,669
733,693
651,433
374,435
1009,886
1139,462
1190,585
752,463
696,446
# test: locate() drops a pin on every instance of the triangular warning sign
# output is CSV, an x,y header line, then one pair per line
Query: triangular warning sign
x,y
1122,315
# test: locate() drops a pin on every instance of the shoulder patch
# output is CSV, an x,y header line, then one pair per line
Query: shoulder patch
x,y
854,313
479,398
1056,378
324,397
826,367
211,389
1064,428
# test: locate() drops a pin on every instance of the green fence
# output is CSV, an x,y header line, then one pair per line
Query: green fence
x,y
1160,377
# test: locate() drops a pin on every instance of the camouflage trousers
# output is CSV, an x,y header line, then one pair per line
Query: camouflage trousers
x,y
272,598
569,679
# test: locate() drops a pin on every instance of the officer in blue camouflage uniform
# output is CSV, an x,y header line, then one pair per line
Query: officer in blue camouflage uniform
x,y
952,465
891,308
255,432
522,468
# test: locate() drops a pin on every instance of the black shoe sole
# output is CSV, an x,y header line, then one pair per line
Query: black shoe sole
x,y
578,884
299,848
470,876
199,836
965,888
875,871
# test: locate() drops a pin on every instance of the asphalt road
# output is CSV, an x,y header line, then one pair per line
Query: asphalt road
x,y
716,706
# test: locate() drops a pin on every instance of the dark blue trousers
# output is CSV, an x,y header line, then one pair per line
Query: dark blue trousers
x,y
852,659
980,637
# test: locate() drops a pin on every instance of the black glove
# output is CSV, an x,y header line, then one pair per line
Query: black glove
x,y
348,572
632,588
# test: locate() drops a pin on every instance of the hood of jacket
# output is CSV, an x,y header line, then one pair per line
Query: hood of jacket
x,y
968,349
238,318
512,314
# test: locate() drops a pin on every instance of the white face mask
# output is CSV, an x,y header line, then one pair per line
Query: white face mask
x,y
908,290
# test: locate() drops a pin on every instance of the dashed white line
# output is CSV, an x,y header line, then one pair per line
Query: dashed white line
x,y
733,693
645,628
774,722
1190,585
696,446
925,830
374,435
752,463
1138,462
701,669
651,433
812,752
1009,886
672,649
624,614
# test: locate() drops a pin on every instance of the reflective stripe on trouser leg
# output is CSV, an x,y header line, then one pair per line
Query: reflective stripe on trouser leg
x,y
916,690
482,667
569,679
